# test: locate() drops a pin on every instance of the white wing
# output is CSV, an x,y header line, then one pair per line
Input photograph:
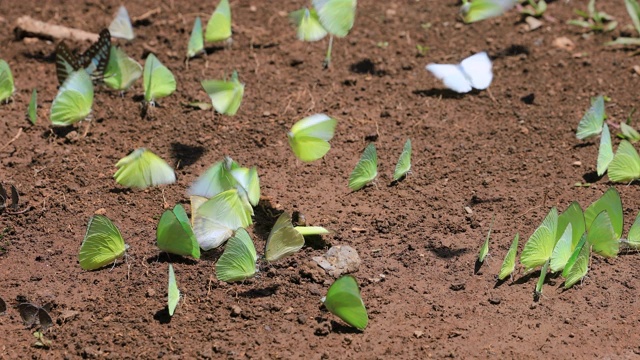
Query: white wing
x,y
121,25
452,77
477,69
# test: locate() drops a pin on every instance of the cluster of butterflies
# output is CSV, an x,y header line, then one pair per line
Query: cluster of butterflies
x,y
564,242
175,234
624,166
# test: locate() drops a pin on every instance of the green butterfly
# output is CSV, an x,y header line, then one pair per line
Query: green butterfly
x,y
226,175
102,244
629,133
633,238
366,169
591,123
337,17
216,220
32,111
248,183
215,180
579,264
562,250
575,216
343,300
539,247
219,25
121,25
574,255
404,162
609,201
540,283
238,261
158,80
122,71
509,263
309,138
283,240
173,292
74,100
7,86
226,96
308,24
601,236
625,166
484,9
142,169
174,233
484,249
605,152
196,41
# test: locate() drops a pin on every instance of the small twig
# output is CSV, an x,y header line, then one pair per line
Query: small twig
x,y
138,19
12,140
28,26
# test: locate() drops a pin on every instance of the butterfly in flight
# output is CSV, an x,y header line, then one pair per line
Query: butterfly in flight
x,y
94,60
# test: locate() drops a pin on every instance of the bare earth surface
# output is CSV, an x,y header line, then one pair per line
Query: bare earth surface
x,y
418,244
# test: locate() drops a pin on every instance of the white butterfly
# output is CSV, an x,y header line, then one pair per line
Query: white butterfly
x,y
473,72
121,25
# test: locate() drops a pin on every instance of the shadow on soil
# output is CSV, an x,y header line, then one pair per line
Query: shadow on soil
x,y
185,155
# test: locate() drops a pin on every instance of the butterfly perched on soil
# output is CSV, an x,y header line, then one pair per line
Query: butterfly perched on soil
x,y
94,60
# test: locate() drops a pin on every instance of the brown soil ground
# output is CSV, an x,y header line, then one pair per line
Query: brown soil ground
x,y
418,244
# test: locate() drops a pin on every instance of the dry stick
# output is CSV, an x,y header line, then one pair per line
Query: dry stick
x,y
29,27
12,140
137,19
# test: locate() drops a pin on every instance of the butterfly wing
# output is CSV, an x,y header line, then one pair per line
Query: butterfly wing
x,y
562,250
28,313
602,237
611,202
343,300
73,101
579,267
238,262
625,166
404,162
66,62
102,244
591,123
158,79
96,58
121,26
142,168
629,133
173,292
605,151
7,86
122,71
32,111
366,169
214,181
226,96
452,77
219,25
215,221
509,263
539,247
633,238
196,41
477,69
283,240
174,234
308,25
336,16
